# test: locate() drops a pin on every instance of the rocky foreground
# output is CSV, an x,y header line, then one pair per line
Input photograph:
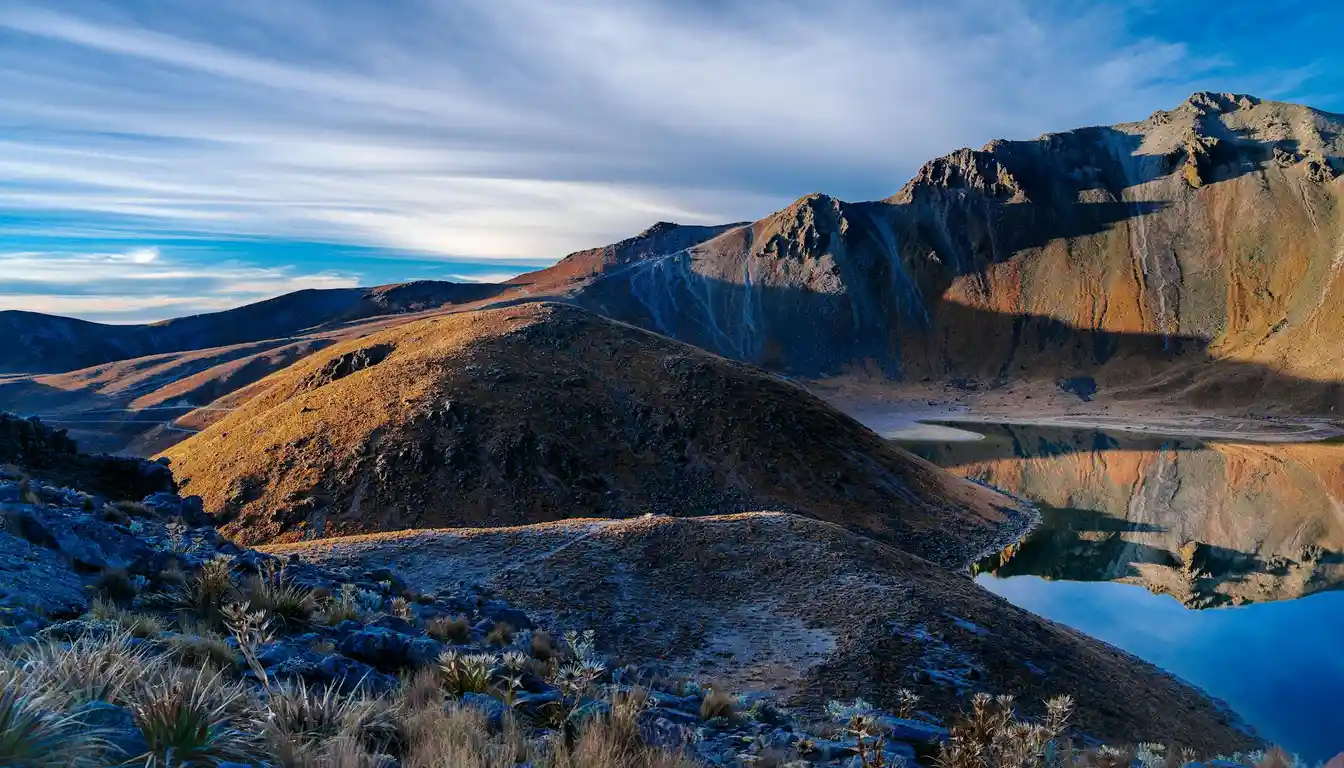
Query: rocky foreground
x,y
133,632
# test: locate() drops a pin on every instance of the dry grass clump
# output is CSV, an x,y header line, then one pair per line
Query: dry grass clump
x,y
717,704
142,625
88,669
33,734
543,646
344,606
287,603
445,629
203,716
202,647
500,635
27,493
207,592
116,584
133,508
200,718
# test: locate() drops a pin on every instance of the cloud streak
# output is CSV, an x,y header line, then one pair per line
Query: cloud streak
x,y
521,129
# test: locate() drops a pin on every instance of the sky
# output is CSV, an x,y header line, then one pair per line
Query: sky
x,y
168,157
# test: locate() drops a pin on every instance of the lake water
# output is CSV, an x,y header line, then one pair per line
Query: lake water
x,y
1220,562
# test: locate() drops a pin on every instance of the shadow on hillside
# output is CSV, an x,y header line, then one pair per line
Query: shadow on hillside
x,y
811,334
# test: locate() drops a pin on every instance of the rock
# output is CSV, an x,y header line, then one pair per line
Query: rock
x,y
492,708
663,733
672,701
74,629
117,725
912,731
588,710
502,612
389,650
678,716
531,703
351,675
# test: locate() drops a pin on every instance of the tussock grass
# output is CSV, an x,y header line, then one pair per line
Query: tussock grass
x,y
717,704
543,646
201,648
343,606
33,734
445,629
116,584
287,603
201,718
500,635
90,668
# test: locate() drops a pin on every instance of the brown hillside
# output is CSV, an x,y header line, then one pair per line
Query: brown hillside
x,y
542,412
767,602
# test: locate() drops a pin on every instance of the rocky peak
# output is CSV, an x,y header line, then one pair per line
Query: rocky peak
x,y
1206,102
658,228
979,172
807,228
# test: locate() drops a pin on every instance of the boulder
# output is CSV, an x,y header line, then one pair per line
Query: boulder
x,y
389,650
492,708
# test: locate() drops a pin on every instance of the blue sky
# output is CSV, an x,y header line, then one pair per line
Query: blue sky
x,y
163,157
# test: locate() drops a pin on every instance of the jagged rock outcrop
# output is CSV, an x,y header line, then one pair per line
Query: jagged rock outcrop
x,y
31,446
1198,252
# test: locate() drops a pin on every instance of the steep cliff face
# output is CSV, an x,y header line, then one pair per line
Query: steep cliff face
x,y
1198,252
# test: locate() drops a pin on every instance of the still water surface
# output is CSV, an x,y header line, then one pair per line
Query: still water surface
x,y
1217,561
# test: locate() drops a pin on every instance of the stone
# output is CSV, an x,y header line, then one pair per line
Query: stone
x,y
117,727
502,612
492,708
389,650
351,675
912,731
73,629
663,733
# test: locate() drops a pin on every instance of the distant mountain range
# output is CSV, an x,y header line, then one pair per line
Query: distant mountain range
x,y
1196,256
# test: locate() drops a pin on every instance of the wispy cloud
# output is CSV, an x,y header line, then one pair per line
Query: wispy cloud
x,y
140,284
524,129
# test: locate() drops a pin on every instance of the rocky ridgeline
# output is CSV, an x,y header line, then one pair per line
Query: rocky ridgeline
x,y
75,569
51,454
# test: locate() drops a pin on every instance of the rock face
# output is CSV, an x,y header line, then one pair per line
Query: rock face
x,y
1198,251
545,411
51,454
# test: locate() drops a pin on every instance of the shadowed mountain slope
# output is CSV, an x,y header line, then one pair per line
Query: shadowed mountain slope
x,y
49,344
1144,253
545,411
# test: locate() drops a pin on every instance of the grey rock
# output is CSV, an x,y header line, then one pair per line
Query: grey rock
x,y
117,724
912,731
387,649
502,612
492,708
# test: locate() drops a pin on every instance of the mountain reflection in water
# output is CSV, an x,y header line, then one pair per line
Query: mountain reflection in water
x,y
1241,528
1209,523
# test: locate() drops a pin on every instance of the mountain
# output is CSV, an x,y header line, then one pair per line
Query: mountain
x,y
50,344
540,412
1198,253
